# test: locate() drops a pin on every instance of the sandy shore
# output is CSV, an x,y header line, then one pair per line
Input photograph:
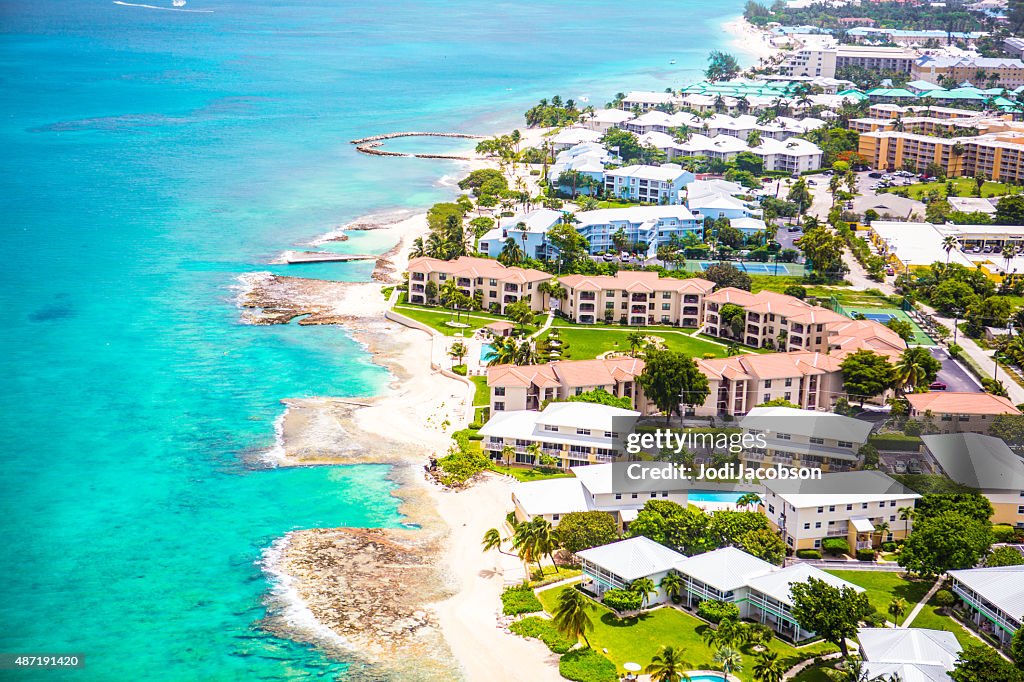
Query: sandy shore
x,y
748,40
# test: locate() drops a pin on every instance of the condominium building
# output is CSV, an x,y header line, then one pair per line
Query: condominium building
x,y
876,58
500,286
912,38
603,120
573,434
805,438
908,653
593,488
1000,72
814,55
645,101
843,505
810,380
995,598
793,155
961,126
527,387
952,412
854,335
985,464
647,184
637,298
529,230
644,226
772,320
1000,156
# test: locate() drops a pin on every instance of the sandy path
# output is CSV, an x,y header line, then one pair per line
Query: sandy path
x,y
468,619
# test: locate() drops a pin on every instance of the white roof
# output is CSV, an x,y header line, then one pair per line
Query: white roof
x,y
806,423
659,140
586,416
634,558
909,645
575,136
539,220
649,97
906,672
724,569
666,172
722,144
632,214
699,188
862,525
794,146
916,243
551,496
1002,586
528,424
845,487
611,115
716,201
748,224
777,584
977,461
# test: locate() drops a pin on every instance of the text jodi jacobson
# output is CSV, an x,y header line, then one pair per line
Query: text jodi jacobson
x,y
668,471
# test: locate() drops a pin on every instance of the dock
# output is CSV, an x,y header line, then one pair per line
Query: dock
x,y
299,257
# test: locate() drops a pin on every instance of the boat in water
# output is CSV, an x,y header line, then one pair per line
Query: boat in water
x,y
179,3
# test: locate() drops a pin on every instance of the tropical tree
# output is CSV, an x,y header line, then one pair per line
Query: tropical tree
x,y
572,617
916,368
730,659
493,540
505,351
644,587
881,528
897,607
511,253
457,351
949,242
748,500
507,453
768,667
672,583
668,666
635,340
906,515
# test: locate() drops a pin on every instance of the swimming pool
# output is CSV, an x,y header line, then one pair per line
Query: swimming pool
x,y
714,496
486,353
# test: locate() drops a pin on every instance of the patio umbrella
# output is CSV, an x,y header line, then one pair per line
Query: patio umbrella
x,y
632,667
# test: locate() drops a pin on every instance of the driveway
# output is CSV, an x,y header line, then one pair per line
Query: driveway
x,y
883,203
955,377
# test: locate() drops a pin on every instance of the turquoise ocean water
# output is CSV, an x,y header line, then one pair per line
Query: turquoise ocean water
x,y
150,157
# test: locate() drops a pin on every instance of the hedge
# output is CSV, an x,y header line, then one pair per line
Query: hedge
x,y
896,441
835,545
865,555
808,554
717,611
944,598
587,665
622,600
544,630
519,599
1003,532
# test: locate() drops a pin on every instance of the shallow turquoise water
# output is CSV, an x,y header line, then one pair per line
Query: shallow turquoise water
x,y
150,157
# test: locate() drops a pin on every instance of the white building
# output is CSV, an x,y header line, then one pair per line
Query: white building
x,y
648,184
794,155
570,137
645,101
995,597
911,654
813,55
530,231
662,122
617,565
602,120
650,225
573,433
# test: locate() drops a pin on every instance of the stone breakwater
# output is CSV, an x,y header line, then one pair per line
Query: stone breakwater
x,y
371,145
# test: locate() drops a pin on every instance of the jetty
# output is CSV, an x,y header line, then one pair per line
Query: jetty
x,y
371,145
296,257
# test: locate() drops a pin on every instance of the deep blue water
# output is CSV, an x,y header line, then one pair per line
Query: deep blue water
x,y
149,157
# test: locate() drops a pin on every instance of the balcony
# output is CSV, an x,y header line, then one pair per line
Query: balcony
x,y
638,297
690,310
690,298
464,282
587,296
512,287
418,276
753,317
418,288
753,329
511,299
638,309
586,307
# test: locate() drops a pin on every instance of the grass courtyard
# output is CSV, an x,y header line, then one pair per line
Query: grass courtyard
x,y
930,618
438,318
964,187
882,587
587,342
639,639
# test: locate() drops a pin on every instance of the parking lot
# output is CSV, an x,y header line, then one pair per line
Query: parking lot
x,y
952,374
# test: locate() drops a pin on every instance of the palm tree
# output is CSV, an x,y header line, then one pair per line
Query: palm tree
x,y
511,253
453,297
907,515
668,666
635,340
910,371
1009,251
571,617
525,354
732,348
730,659
949,242
417,248
643,586
507,453
672,583
457,351
504,352
768,667
748,500
897,607
492,540
882,528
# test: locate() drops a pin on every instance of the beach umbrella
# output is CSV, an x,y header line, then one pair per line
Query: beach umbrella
x,y
632,667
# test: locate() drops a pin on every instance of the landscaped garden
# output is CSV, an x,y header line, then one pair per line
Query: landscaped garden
x,y
883,587
964,187
931,619
587,342
638,639
449,323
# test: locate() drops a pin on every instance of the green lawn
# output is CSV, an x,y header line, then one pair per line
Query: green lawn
x,y
928,618
883,587
527,474
639,639
815,673
585,343
482,396
436,318
965,187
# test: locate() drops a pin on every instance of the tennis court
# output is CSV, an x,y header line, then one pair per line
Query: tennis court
x,y
883,315
757,268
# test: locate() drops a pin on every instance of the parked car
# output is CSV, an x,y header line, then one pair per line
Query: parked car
x,y
609,256
898,467
889,271
794,228
875,174
937,386
914,466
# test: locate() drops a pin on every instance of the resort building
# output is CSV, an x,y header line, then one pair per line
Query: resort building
x,y
761,591
588,160
999,155
573,434
592,488
643,226
994,597
910,246
793,155
527,387
529,230
804,438
843,505
603,120
572,136
854,335
952,412
772,320
908,653
645,101
876,58
985,464
663,122
647,184
999,72
813,55
811,380
637,298
500,286
910,38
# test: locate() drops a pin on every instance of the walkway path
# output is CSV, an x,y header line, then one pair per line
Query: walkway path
x,y
803,665
921,604
544,327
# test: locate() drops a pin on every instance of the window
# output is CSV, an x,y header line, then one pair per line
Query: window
x,y
653,495
1020,509
664,494
582,432
666,306
550,427
817,544
817,524
666,294
807,526
892,503
892,517
881,505
821,509
554,517
831,507
788,395
783,436
499,390
817,441
618,496
864,505
634,496
767,383
789,382
499,406
845,444
767,397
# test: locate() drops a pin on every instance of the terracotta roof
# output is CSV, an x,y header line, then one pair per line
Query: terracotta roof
x,y
961,403
631,280
769,365
569,373
500,325
774,303
468,266
854,335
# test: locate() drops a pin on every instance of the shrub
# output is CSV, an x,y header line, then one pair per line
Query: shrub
x,y
1003,532
717,611
476,425
835,546
865,555
888,546
587,665
544,630
459,369
808,554
875,620
519,599
795,290
944,598
622,600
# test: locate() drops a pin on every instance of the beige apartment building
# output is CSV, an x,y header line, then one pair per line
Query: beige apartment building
x,y
951,412
772,320
931,125
737,384
986,464
876,58
526,387
635,298
999,155
869,498
983,72
802,438
500,286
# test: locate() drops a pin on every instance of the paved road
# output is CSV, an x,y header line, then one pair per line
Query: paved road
x,y
953,375
898,207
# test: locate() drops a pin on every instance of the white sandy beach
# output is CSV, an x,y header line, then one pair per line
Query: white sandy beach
x,y
748,40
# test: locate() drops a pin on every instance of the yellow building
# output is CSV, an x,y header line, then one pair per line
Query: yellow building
x,y
1000,156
